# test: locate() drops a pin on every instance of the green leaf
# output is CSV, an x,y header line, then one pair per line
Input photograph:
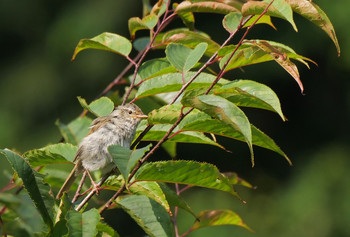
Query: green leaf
x,y
141,43
182,57
104,228
316,15
188,38
173,82
218,217
83,224
251,94
152,190
154,68
185,172
136,155
175,200
232,21
33,182
52,154
105,41
76,130
187,18
149,215
224,111
263,20
100,107
279,8
170,148
236,180
136,24
207,6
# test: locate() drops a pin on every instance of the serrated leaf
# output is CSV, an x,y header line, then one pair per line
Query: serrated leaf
x,y
218,217
173,82
76,130
149,215
184,58
279,8
185,172
105,41
188,38
83,224
52,154
316,15
232,21
224,111
33,182
207,6
100,107
251,94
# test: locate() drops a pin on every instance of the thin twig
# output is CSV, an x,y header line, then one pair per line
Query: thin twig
x,y
77,193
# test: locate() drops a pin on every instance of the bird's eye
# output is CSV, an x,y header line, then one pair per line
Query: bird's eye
x,y
130,112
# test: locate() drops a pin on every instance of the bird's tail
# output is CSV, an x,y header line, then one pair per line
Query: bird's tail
x,y
68,183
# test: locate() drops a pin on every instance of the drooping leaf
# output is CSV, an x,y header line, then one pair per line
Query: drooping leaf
x,y
76,130
316,15
187,18
224,111
207,6
33,182
279,8
149,215
232,21
105,41
52,154
100,107
218,217
251,94
188,38
185,172
184,58
83,224
146,23
173,82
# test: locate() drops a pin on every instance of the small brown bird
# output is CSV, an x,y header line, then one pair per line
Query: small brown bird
x,y
118,128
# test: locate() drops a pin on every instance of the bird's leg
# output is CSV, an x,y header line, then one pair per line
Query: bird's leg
x,y
96,186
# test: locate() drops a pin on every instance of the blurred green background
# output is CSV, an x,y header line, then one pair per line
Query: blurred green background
x,y
39,84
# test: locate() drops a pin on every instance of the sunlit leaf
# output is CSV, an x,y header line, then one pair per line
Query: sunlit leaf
x,y
52,154
33,182
100,107
218,217
154,68
146,23
232,21
105,41
265,19
208,6
149,215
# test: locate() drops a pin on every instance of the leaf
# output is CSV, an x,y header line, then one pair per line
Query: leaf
x,y
208,6
52,154
187,18
76,130
224,111
231,21
188,38
279,8
185,172
105,41
141,43
316,15
218,217
173,82
263,20
170,148
251,94
158,131
104,228
100,107
149,215
83,224
136,155
182,57
33,182
236,180
175,200
136,24
154,68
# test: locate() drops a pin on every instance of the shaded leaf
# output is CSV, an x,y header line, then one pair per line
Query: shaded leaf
x,y
76,130
100,107
236,180
154,68
218,217
33,182
105,41
232,21
52,154
104,228
83,224
149,215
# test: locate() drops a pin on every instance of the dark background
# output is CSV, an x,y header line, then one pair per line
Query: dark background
x,y
39,84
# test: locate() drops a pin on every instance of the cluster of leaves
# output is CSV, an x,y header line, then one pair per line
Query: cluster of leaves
x,y
188,106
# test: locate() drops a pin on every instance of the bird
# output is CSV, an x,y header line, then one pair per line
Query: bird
x,y
117,128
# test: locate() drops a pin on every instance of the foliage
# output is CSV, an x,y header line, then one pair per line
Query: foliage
x,y
189,106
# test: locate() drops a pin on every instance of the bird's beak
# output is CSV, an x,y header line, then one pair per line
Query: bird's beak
x,y
140,116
